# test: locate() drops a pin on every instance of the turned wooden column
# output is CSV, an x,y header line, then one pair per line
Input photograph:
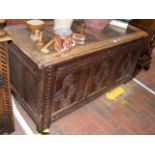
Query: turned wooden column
x,y
147,25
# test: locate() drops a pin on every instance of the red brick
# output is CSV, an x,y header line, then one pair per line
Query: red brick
x,y
121,131
99,121
117,111
151,130
128,112
129,125
142,121
88,129
104,124
137,106
107,116
74,126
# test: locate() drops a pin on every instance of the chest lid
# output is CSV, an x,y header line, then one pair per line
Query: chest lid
x,y
109,37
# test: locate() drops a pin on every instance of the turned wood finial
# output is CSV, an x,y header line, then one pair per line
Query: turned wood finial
x,y
40,39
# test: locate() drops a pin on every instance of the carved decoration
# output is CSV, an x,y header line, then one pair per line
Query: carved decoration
x,y
101,75
125,66
4,65
46,99
68,86
6,115
93,58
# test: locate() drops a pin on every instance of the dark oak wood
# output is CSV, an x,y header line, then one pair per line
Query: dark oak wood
x,y
49,86
147,25
6,120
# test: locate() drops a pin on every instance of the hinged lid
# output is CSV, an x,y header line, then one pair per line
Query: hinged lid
x,y
109,37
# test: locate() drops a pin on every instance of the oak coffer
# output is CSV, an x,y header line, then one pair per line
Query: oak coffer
x,y
6,120
48,86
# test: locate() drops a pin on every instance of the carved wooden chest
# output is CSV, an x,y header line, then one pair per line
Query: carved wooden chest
x,y
49,86
6,120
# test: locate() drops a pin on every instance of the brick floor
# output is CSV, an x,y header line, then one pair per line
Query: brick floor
x,y
132,113
127,115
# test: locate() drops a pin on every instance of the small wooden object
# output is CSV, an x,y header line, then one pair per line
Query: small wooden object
x,y
35,36
45,48
33,25
40,41
79,38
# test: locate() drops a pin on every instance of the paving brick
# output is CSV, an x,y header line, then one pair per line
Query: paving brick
x,y
142,121
128,112
121,131
89,128
106,115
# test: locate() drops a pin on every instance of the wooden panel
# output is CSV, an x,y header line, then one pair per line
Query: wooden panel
x,y
16,72
69,89
30,90
100,74
127,61
26,76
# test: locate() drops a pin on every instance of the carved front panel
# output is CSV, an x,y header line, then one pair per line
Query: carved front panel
x,y
126,64
69,89
100,75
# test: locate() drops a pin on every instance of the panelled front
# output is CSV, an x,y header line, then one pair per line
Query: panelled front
x,y
126,63
80,79
99,78
69,88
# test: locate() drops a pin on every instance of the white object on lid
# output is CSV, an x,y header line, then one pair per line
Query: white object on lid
x,y
119,24
63,23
